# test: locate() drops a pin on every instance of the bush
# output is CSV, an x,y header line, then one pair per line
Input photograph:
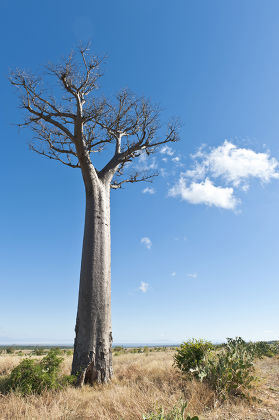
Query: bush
x,y
275,348
177,413
57,350
33,376
51,362
118,348
229,371
38,351
261,349
190,354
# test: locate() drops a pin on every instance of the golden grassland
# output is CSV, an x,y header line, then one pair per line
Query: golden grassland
x,y
142,382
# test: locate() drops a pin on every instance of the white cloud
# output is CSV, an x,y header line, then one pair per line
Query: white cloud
x,y
230,167
245,187
192,275
176,159
167,150
148,190
145,163
173,274
204,192
234,164
147,242
143,286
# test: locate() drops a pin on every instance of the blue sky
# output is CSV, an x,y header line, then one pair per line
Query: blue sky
x,y
197,256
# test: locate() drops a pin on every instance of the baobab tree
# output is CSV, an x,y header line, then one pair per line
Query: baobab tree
x,y
70,128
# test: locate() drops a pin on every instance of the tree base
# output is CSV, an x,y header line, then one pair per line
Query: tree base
x,y
93,367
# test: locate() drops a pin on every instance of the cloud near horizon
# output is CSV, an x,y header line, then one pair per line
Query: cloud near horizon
x,y
231,166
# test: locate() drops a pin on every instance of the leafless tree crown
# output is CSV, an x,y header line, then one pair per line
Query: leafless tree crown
x,y
70,129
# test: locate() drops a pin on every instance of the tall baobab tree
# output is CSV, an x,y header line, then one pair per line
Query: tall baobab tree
x,y
70,128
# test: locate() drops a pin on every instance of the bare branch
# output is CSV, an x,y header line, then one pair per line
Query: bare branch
x,y
132,179
54,156
78,81
30,85
138,121
75,125
55,140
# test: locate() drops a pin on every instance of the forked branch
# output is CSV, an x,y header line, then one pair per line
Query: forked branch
x,y
75,125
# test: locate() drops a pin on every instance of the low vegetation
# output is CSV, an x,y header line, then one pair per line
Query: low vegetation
x,y
176,413
191,354
35,376
217,382
229,370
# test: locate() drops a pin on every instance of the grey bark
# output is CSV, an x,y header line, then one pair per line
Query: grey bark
x,y
92,360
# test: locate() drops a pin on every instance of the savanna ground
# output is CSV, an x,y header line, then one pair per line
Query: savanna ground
x,y
142,382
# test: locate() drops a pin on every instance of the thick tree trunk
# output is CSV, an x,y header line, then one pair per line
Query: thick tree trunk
x,y
92,360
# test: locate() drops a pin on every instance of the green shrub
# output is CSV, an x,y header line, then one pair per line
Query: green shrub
x,y
38,351
229,371
136,350
57,350
190,354
177,413
261,349
118,348
51,362
274,348
33,376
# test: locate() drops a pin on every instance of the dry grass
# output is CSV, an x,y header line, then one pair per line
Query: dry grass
x,y
141,382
